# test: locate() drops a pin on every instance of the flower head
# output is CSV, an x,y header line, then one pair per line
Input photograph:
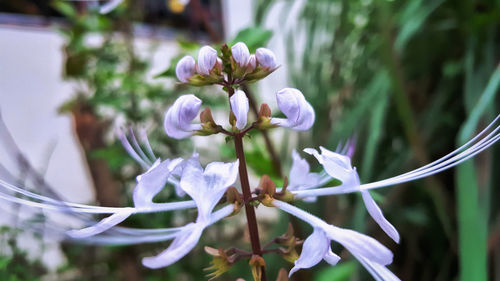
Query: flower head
x,y
339,166
206,187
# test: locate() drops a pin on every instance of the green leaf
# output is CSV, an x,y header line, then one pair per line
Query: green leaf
x,y
339,272
65,8
253,37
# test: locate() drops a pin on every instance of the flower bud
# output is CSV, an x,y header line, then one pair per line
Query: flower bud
x,y
185,68
179,116
300,114
240,53
207,59
252,63
266,58
239,106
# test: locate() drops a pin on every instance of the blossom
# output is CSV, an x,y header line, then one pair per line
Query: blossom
x,y
206,187
240,106
179,116
185,68
339,166
371,253
207,59
240,53
266,58
300,114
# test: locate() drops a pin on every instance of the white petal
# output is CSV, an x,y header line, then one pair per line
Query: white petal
x,y
378,216
331,258
101,226
337,166
300,177
207,58
239,106
378,271
240,53
109,6
185,68
180,247
151,182
300,114
266,58
360,244
179,116
314,249
207,187
252,62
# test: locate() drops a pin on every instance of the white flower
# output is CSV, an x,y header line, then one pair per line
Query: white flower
x,y
239,106
315,248
148,185
339,166
300,114
240,53
185,68
207,58
369,251
206,187
266,58
301,178
179,116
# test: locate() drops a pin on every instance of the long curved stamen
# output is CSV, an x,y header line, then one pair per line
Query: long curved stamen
x,y
138,148
450,160
63,206
130,150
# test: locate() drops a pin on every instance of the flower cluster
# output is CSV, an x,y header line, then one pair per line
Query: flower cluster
x,y
237,62
211,188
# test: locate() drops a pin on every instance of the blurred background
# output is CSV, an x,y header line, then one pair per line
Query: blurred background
x,y
409,80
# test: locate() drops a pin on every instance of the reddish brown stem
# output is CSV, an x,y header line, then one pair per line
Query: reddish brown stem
x,y
247,196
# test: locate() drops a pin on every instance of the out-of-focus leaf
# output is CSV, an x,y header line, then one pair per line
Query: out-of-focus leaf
x,y
253,37
340,272
65,8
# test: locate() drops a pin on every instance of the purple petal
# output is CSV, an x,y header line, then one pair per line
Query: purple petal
x,y
378,216
101,226
180,247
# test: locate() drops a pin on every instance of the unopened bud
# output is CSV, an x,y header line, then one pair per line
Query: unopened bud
x,y
240,106
266,58
208,125
179,116
252,63
185,68
240,53
207,59
300,114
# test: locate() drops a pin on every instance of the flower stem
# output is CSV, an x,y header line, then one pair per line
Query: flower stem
x,y
247,196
